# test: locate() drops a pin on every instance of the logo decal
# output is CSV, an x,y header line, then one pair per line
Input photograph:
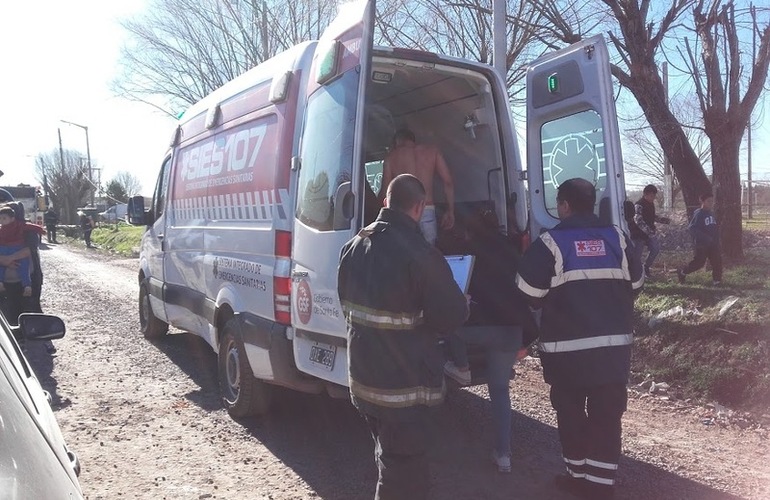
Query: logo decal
x,y
304,302
590,248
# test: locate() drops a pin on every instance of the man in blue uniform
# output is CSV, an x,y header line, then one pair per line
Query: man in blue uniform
x,y
585,276
398,295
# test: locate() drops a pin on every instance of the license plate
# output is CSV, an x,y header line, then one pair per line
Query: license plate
x,y
323,355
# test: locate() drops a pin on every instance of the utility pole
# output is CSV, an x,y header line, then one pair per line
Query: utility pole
x,y
88,157
753,62
668,178
499,39
61,149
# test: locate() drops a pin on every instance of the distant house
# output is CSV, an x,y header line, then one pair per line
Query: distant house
x,y
30,197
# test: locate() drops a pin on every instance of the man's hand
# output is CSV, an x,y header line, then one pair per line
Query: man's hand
x,y
448,220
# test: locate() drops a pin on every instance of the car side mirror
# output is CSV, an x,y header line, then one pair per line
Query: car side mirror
x,y
344,206
34,326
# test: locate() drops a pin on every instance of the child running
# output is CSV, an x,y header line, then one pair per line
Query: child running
x,y
705,233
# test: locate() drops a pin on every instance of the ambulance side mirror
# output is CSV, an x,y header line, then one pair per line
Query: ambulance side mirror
x,y
136,214
344,204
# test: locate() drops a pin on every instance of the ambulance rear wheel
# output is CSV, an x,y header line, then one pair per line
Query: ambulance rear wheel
x,y
151,326
242,394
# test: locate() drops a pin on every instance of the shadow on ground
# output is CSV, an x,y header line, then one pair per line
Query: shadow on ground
x,y
327,444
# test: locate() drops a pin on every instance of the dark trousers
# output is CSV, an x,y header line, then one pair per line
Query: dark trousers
x,y
87,237
590,432
714,256
51,236
400,454
13,303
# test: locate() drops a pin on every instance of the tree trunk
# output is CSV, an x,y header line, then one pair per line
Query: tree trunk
x,y
727,193
648,90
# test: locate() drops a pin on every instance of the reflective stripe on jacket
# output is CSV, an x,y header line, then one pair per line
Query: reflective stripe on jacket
x,y
585,276
398,295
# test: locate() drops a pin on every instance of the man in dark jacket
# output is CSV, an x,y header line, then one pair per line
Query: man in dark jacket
x,y
705,234
398,295
585,276
51,219
643,230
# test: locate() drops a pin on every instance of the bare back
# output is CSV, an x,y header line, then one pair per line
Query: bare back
x,y
420,160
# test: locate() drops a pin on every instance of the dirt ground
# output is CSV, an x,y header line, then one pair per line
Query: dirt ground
x,y
146,421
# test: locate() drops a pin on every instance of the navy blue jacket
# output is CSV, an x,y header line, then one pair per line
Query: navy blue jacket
x,y
704,229
585,276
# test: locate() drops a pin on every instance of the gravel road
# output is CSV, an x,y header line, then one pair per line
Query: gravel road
x,y
146,421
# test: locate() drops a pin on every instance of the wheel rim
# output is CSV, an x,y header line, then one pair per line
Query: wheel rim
x,y
232,371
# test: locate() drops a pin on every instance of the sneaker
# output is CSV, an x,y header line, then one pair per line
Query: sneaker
x,y
647,272
680,275
503,463
463,377
716,283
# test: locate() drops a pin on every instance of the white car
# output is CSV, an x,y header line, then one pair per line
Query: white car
x,y
34,459
114,213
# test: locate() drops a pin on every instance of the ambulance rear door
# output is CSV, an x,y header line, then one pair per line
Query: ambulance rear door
x,y
329,192
572,131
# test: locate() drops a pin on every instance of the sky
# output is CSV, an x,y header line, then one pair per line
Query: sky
x,y
58,60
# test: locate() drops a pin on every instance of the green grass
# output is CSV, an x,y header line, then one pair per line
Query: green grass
x,y
121,239
726,358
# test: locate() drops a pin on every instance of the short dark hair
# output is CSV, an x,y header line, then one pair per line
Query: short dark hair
x,y
6,210
650,189
404,133
404,192
706,196
579,193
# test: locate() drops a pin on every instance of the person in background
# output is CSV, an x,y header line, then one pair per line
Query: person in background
x,y
643,230
87,225
398,295
423,161
51,219
585,277
705,233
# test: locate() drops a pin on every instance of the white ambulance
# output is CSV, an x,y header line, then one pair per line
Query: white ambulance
x,y
268,176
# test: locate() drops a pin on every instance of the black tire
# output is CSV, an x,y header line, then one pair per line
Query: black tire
x,y
151,326
242,394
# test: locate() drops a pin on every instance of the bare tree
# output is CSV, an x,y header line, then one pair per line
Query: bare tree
x,y
720,76
130,185
638,32
66,183
642,154
181,50
463,28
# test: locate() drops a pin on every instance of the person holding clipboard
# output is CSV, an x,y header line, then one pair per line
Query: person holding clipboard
x,y
500,324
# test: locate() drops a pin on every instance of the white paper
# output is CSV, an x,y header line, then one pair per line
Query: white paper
x,y
462,268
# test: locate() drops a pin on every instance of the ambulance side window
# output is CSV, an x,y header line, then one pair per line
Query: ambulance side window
x,y
327,150
161,189
572,146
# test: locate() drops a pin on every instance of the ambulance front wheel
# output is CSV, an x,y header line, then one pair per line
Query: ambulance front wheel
x,y
151,326
242,394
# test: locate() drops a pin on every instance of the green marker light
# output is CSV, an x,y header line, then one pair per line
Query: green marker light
x,y
553,83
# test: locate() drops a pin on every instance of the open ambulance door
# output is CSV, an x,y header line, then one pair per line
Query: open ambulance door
x,y
572,131
330,185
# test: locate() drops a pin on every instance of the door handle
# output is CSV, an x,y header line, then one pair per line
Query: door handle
x,y
299,274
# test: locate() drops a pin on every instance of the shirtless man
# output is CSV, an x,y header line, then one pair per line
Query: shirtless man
x,y
423,161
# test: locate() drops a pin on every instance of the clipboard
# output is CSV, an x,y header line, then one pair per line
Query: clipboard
x,y
462,268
